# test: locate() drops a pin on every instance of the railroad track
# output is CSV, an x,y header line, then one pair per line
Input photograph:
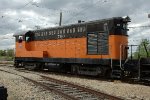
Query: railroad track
x,y
67,90
130,81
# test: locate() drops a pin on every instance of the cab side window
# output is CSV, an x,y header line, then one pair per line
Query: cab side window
x,y
27,38
20,39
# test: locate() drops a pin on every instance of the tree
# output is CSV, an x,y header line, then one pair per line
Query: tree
x,y
2,52
142,49
10,52
7,55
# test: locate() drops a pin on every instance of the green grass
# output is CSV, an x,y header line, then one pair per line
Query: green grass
x,y
6,58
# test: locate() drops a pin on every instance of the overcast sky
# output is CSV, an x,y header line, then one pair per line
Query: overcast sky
x,y
22,15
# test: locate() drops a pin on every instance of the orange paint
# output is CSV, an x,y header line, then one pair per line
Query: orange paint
x,y
68,48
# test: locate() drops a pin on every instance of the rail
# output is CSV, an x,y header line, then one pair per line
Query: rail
x,y
69,91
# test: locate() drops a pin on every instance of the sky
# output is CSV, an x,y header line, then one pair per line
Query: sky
x,y
22,15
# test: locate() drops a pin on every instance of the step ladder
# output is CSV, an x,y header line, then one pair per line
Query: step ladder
x,y
116,74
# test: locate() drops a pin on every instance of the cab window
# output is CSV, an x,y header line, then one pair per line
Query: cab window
x,y
20,39
27,38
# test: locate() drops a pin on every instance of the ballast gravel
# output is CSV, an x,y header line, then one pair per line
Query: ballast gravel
x,y
20,89
116,88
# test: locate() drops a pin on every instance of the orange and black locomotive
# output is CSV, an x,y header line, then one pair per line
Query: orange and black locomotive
x,y
90,48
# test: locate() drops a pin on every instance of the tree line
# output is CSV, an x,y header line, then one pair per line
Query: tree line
x,y
7,54
143,50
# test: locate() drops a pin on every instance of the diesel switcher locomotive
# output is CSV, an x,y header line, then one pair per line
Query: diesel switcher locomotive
x,y
98,48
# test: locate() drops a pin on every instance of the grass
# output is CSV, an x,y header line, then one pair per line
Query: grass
x,y
6,58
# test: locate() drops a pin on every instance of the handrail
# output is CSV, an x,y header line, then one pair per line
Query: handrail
x,y
126,61
111,61
121,57
139,71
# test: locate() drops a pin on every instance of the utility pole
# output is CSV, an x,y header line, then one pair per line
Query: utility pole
x,y
60,21
148,15
37,27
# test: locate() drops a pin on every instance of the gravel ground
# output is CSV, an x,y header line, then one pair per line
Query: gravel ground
x,y
117,88
21,89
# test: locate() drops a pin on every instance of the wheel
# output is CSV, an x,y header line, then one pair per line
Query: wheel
x,y
16,65
75,69
108,74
